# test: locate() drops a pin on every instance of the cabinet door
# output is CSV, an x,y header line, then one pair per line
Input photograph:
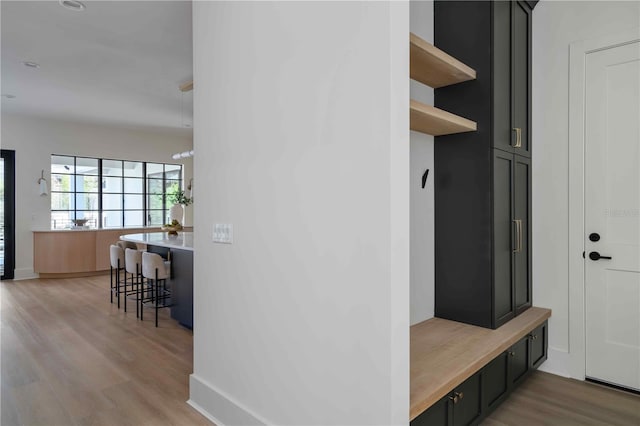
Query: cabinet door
x,y
502,237
522,228
439,414
519,361
538,344
521,77
495,382
467,409
501,76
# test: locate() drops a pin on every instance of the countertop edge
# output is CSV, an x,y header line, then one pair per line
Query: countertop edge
x,y
165,242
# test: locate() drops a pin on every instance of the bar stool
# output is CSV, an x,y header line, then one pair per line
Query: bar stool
x,y
156,270
127,244
116,257
133,266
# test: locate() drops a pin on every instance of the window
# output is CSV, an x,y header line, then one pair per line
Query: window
x,y
110,193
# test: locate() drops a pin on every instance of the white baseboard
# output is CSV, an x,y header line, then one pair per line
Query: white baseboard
x,y
24,274
207,400
557,363
205,413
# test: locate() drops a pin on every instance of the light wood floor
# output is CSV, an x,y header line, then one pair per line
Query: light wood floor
x,y
546,399
69,357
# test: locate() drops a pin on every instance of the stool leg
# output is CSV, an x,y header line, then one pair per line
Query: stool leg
x,y
125,289
118,283
111,282
137,291
157,296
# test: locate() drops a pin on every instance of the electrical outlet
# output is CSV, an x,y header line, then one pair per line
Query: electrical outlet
x,y
223,233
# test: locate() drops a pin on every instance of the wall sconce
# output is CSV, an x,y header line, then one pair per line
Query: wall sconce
x,y
43,185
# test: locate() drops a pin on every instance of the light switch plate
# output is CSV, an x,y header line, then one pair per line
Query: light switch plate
x,y
223,233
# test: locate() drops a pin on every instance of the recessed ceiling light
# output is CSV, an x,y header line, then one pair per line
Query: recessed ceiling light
x,y
31,64
72,5
8,96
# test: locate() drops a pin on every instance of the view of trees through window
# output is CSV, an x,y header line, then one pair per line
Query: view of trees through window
x,y
110,193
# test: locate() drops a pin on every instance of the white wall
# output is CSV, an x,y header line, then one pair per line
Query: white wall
x,y
35,139
422,207
301,134
555,26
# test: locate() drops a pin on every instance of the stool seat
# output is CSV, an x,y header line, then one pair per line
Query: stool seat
x,y
133,259
152,262
116,256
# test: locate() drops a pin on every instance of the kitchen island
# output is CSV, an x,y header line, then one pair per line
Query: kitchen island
x,y
178,249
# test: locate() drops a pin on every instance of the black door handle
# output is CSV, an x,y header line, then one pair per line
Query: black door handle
x,y
594,255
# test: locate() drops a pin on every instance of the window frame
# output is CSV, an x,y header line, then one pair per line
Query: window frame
x,y
73,209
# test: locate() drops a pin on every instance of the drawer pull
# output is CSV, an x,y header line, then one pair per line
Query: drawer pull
x,y
457,396
518,143
512,353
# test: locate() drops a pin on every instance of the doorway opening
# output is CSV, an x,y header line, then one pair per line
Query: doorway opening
x,y
7,214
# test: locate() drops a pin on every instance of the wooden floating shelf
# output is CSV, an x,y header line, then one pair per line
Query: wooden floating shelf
x,y
433,67
434,121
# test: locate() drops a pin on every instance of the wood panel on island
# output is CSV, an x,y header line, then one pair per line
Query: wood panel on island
x,y
435,68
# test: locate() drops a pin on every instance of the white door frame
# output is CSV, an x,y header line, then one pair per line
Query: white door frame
x,y
577,58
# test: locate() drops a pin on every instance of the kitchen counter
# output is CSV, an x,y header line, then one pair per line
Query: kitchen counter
x,y
182,241
86,229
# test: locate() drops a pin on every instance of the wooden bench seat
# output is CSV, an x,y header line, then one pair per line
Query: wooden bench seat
x,y
445,353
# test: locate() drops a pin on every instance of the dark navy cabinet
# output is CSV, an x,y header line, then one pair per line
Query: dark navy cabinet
x,y
461,407
495,383
180,283
483,179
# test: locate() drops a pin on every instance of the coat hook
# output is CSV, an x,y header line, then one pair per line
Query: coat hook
x,y
424,178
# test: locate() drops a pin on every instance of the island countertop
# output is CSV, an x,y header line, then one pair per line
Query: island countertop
x,y
182,241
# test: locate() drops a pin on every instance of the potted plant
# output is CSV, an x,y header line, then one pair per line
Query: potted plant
x,y
179,197
179,200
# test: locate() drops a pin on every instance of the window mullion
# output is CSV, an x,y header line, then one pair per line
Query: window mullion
x,y
99,193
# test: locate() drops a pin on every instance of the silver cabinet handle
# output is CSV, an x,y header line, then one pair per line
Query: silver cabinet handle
x,y
518,143
518,224
521,232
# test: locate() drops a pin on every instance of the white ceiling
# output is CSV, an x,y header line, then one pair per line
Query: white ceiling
x,y
117,62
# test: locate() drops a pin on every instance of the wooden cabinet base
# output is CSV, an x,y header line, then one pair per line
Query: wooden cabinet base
x,y
79,253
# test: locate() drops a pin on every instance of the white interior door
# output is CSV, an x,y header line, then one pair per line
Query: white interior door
x,y
612,210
